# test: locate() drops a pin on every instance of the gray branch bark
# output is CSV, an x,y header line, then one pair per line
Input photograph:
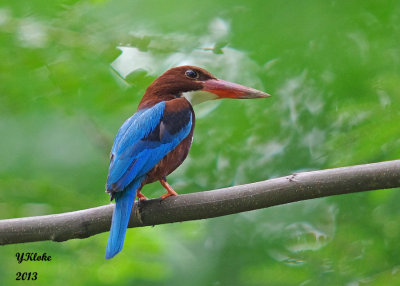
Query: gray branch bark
x,y
202,205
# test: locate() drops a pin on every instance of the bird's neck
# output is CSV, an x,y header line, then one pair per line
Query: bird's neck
x,y
150,100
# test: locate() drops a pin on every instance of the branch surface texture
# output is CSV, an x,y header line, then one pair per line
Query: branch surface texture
x,y
208,204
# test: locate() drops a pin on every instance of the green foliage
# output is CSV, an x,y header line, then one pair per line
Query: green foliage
x,y
333,70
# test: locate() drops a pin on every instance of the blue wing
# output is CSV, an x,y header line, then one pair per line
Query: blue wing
x,y
143,140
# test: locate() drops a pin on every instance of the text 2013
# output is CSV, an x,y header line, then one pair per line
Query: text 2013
x,y
26,276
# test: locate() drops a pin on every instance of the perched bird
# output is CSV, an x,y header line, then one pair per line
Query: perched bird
x,y
156,139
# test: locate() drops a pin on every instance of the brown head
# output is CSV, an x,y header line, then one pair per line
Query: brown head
x,y
196,84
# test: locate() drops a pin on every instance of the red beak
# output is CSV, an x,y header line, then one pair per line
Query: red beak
x,y
226,89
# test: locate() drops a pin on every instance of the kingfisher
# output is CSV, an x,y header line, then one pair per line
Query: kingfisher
x,y
153,142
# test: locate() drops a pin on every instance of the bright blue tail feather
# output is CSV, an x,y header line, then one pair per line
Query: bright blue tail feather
x,y
123,207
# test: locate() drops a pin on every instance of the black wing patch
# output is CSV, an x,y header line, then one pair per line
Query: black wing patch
x,y
171,122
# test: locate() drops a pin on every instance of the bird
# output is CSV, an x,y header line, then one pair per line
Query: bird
x,y
155,140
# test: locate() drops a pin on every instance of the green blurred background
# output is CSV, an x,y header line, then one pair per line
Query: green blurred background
x,y
72,71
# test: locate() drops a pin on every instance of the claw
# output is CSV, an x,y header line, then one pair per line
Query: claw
x,y
140,196
170,190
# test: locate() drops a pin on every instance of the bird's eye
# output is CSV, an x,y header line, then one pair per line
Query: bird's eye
x,y
191,74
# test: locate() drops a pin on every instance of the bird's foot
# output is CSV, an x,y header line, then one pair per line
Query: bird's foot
x,y
173,193
141,197
170,190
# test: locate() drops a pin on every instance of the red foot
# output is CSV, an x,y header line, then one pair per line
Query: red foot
x,y
170,190
141,196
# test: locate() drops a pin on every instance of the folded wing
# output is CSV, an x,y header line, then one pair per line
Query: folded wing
x,y
144,139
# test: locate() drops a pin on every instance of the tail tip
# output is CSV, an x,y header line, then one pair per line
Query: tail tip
x,y
111,253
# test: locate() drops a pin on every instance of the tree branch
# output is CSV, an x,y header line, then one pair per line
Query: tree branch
x,y
202,205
